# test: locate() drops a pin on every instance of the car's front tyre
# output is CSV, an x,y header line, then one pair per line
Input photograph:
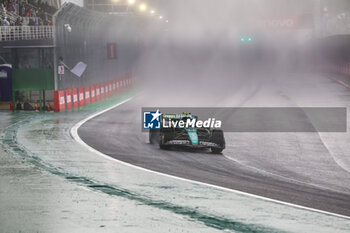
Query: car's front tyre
x,y
153,136
165,136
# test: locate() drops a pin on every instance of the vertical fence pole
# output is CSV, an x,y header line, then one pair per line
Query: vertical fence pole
x,y
41,100
14,105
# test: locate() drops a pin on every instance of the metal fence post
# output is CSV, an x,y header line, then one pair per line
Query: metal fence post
x,y
41,100
13,100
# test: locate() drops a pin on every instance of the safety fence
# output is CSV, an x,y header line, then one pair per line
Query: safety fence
x,y
107,44
79,97
13,33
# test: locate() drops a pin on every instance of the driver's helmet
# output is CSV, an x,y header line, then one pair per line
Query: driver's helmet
x,y
188,116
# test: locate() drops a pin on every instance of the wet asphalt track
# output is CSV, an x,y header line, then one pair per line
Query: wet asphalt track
x,y
115,133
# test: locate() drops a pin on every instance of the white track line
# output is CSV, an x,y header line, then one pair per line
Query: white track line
x,y
340,164
279,176
339,81
74,134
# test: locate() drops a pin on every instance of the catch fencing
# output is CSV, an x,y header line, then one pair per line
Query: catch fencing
x,y
106,43
15,33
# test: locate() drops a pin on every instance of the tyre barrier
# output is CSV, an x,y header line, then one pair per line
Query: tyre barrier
x,y
78,97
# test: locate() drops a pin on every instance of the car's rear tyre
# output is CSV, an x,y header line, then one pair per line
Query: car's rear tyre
x,y
216,150
217,137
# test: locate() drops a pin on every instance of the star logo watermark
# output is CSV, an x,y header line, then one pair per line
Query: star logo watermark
x,y
152,120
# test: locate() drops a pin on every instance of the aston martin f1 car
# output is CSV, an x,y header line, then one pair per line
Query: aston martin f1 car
x,y
178,134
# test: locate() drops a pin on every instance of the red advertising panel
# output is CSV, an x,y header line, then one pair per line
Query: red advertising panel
x,y
81,96
92,89
59,101
87,95
112,51
75,97
97,92
69,98
289,22
102,91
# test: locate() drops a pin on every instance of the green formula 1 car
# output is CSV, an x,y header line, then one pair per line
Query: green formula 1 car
x,y
180,130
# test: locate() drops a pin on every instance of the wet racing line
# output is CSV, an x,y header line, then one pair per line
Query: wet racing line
x,y
112,134
9,141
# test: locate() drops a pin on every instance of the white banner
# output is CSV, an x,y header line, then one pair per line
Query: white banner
x,y
79,69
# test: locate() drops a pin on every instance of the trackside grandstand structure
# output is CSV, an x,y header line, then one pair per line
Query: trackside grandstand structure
x,y
44,58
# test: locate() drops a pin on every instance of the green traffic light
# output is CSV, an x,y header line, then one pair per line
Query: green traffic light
x,y
249,39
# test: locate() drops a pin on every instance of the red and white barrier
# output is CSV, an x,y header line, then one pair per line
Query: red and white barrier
x,y
117,85
69,98
87,95
98,92
78,97
110,88
343,69
106,89
75,97
113,87
121,84
81,97
125,81
102,91
93,95
59,101
340,68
